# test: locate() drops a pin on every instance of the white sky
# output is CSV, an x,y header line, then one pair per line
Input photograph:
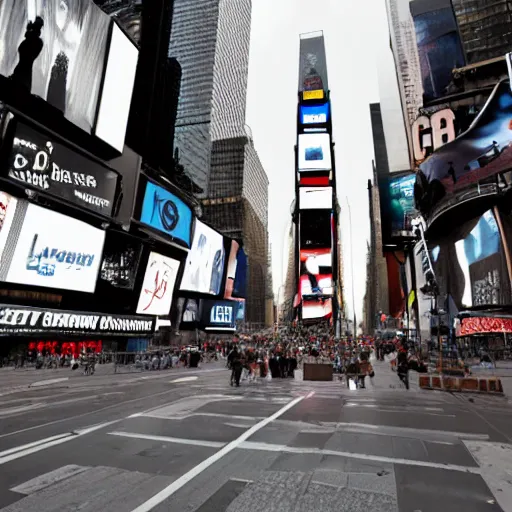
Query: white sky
x,y
354,31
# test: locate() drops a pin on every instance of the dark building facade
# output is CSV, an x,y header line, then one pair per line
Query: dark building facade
x,y
485,28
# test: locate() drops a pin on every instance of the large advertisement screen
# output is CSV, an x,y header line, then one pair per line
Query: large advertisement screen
x,y
218,315
470,264
482,151
121,255
315,309
314,114
315,229
315,198
313,64
314,152
116,94
165,212
46,164
54,251
158,286
397,206
316,273
56,50
205,261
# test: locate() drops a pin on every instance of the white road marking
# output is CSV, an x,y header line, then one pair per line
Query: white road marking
x,y
183,379
51,478
20,409
47,382
310,394
184,479
165,439
43,444
401,408
248,445
194,414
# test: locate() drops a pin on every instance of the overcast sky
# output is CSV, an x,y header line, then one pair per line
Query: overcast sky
x,y
356,34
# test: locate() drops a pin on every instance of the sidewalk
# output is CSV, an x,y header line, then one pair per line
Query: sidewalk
x,y
15,380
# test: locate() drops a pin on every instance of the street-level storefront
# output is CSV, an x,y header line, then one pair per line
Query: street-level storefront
x,y
56,331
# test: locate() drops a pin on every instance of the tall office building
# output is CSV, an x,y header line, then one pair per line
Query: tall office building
x,y
210,39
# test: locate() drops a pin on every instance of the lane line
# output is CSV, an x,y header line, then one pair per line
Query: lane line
x,y
192,415
41,383
184,479
43,444
267,447
101,409
165,439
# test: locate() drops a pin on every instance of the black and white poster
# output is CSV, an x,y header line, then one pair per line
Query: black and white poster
x,y
121,256
56,50
45,164
23,321
312,64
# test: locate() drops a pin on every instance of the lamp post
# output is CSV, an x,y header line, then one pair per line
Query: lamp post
x,y
352,266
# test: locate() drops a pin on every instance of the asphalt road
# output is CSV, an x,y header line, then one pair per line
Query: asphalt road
x,y
187,441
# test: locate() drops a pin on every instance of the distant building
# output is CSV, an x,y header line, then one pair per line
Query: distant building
x,y
237,206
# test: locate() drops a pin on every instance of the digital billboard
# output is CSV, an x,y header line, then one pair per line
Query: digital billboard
x,y
316,309
314,152
165,212
240,284
312,63
397,206
316,273
44,162
314,114
315,228
218,315
315,198
483,150
158,286
315,179
205,261
52,250
471,266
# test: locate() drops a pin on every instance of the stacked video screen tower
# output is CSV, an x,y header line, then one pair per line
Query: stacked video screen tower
x,y
315,212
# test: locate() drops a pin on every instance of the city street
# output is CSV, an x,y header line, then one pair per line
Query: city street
x,y
186,441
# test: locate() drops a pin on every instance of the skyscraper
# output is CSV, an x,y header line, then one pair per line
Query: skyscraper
x,y
210,40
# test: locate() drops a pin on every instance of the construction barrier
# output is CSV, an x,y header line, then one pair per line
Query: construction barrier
x,y
319,372
461,384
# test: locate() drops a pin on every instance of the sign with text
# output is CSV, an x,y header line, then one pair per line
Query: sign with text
x,y
314,114
313,95
218,314
44,163
165,212
157,289
52,250
23,321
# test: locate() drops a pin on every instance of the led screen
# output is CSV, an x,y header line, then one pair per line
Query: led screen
x,y
54,251
205,261
314,180
482,151
470,264
315,198
157,289
218,315
231,269
240,285
316,273
314,114
62,53
316,309
117,89
314,152
164,211
315,229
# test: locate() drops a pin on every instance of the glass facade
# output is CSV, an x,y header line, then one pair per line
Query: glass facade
x,y
210,39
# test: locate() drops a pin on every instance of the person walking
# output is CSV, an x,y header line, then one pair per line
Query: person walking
x,y
236,368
